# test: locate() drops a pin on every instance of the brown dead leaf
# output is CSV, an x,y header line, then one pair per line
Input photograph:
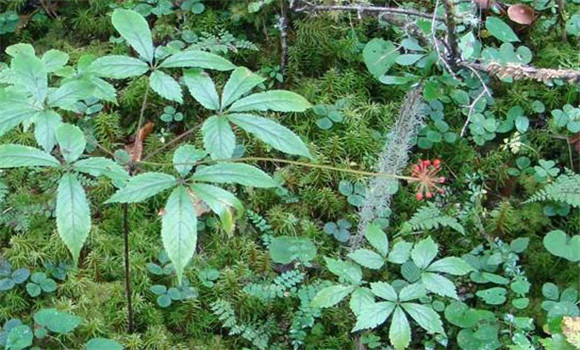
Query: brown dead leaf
x,y
521,14
571,330
135,149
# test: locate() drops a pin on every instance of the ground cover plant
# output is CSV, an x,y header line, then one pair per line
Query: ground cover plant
x,y
289,174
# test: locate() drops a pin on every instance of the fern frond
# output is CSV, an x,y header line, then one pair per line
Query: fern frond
x,y
565,189
430,217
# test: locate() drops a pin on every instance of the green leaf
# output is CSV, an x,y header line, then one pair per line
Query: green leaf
x,y
103,90
439,285
241,81
346,270
493,296
197,59
424,252
134,28
19,49
377,239
451,265
57,321
13,156
400,331
71,141
118,67
373,315
500,30
330,296
218,137
179,229
73,216
285,249
518,245
45,125
412,292
143,186
69,94
400,253
19,337
202,88
558,243
99,166
428,319
11,115
165,86
367,258
31,74
379,56
184,157
359,298
272,133
242,174
54,59
103,344
384,290
522,123
220,202
274,100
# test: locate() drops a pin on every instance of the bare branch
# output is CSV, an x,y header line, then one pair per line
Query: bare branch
x,y
520,72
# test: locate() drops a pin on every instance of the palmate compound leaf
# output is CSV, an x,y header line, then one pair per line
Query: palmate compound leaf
x,y
424,252
202,88
330,296
197,59
220,201
439,285
218,137
241,81
118,67
165,86
179,229
428,319
143,186
367,258
400,331
134,28
242,174
73,216
13,156
374,314
274,100
99,166
272,133
451,265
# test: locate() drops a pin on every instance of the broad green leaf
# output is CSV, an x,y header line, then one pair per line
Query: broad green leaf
x,y
57,321
71,141
220,202
165,86
412,292
377,239
197,59
19,337
143,186
379,56
103,90
558,243
242,174
202,88
285,249
70,93
185,156
330,296
13,156
274,100
424,252
134,28
493,296
103,344
179,229
400,331
451,265
54,59
73,216
99,166
400,252
384,290
31,74
500,30
373,315
241,81
367,258
118,67
19,49
45,124
359,298
439,285
272,133
428,319
218,137
11,115
346,270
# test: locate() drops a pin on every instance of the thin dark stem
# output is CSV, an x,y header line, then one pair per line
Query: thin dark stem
x,y
142,112
126,229
451,36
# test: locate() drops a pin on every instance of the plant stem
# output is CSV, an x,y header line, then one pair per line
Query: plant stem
x,y
126,229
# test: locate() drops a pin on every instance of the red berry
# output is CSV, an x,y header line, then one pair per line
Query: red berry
x,y
419,196
426,162
429,194
442,179
436,163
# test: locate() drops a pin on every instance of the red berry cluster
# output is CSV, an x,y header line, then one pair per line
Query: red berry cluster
x,y
425,177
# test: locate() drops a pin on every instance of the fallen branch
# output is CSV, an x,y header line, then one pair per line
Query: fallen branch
x,y
519,72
